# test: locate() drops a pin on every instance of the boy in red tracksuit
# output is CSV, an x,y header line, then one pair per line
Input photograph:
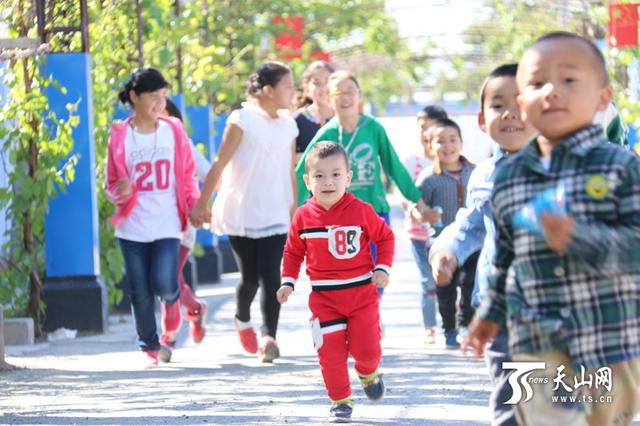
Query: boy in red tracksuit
x,y
333,230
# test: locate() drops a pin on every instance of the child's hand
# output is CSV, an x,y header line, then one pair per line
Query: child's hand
x,y
557,230
432,216
123,188
443,265
380,279
422,206
283,293
416,216
480,332
200,213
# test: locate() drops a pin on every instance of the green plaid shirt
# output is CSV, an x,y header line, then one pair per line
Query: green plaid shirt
x,y
586,301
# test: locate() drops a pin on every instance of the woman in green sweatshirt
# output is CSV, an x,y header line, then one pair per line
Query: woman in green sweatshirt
x,y
367,145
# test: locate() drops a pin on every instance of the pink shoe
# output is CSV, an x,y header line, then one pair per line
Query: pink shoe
x,y
197,320
269,349
151,358
248,337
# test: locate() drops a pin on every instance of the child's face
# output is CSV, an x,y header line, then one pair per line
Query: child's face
x,y
282,93
345,97
425,122
501,116
149,104
560,87
316,87
447,145
424,141
328,179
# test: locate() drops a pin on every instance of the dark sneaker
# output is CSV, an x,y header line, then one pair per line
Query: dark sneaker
x,y
164,355
373,386
167,344
451,339
341,412
462,333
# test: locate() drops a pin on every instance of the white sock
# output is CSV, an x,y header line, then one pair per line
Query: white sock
x,y
243,325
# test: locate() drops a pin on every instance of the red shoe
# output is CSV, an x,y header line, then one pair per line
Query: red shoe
x,y
197,327
151,358
269,349
248,337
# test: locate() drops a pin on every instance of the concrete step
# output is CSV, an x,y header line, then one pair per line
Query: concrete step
x,y
18,331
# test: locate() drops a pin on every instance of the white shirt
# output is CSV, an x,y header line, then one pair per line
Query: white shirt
x,y
150,163
256,193
416,163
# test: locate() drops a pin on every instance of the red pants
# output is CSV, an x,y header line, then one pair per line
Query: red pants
x,y
171,317
350,324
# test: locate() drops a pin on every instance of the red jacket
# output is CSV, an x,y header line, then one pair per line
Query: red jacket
x,y
187,191
336,244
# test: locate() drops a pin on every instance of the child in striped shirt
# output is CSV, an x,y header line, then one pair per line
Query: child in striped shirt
x,y
444,188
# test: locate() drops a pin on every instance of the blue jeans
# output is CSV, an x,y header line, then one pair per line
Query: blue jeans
x,y
495,354
372,246
419,250
152,270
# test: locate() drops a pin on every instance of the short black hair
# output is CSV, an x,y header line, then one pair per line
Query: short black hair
x,y
173,109
597,53
142,80
433,112
443,122
504,70
324,149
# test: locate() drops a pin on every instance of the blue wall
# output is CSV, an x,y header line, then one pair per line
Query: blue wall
x,y
71,225
5,167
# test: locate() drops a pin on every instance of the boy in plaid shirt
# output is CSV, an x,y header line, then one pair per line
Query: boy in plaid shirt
x,y
574,306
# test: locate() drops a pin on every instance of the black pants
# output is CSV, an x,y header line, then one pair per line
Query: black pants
x,y
464,277
259,263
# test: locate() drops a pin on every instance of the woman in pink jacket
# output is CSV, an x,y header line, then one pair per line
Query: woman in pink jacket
x,y
150,179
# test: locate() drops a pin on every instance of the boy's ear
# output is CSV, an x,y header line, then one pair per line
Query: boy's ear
x,y
307,181
481,122
606,94
520,102
349,177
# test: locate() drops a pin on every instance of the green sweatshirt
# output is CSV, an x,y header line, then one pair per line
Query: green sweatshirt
x,y
367,151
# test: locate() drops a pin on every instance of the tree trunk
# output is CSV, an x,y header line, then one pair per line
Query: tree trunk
x,y
35,285
3,364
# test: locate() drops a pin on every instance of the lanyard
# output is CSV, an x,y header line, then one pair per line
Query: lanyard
x,y
353,136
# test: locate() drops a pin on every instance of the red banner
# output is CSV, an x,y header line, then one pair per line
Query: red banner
x,y
623,25
289,42
320,55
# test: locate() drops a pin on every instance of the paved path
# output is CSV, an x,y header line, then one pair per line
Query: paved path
x,y
97,380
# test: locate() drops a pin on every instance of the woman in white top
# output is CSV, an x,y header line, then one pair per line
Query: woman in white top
x,y
255,202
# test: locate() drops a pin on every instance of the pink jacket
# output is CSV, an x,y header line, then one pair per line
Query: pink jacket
x,y
187,190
